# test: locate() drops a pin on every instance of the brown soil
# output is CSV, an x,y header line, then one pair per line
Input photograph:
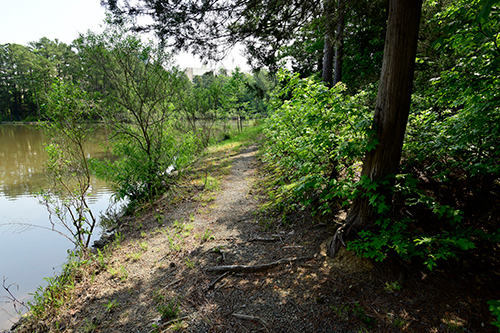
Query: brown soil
x,y
156,265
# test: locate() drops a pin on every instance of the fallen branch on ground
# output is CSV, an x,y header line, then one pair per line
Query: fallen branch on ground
x,y
247,317
264,239
214,282
173,283
255,268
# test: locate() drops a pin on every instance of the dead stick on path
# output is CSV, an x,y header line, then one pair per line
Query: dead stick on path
x,y
247,317
168,323
214,282
255,268
261,239
173,283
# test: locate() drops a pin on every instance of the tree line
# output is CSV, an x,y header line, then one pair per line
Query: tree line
x,y
27,74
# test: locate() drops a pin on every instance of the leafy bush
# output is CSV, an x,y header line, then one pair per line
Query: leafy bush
x,y
316,137
495,311
137,174
403,234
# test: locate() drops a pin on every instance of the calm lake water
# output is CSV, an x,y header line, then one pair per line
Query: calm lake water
x,y
29,255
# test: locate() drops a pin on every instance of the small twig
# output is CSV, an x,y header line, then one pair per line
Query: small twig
x,y
247,317
168,323
214,282
293,247
255,268
279,236
12,297
173,283
291,301
263,239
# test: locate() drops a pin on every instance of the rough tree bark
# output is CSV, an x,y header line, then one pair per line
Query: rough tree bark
x,y
328,53
333,51
339,42
391,113
328,50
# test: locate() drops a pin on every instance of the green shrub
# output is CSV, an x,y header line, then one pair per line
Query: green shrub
x,y
495,311
316,138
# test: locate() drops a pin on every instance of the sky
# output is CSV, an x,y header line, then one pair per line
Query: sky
x,y
24,21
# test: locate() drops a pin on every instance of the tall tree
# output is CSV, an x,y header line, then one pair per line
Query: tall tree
x,y
339,42
391,113
139,109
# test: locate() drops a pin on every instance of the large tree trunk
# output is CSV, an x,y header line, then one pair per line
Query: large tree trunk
x,y
328,50
391,113
328,53
339,42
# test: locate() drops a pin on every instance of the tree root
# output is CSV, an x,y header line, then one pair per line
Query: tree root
x,y
255,268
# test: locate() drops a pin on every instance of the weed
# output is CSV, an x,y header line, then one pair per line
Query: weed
x,y
144,246
187,230
340,311
101,259
266,224
155,328
113,271
189,263
178,325
178,224
120,273
217,249
495,311
123,273
167,309
48,300
172,245
399,322
90,326
118,239
143,234
111,305
211,183
134,256
159,218
396,321
207,235
392,286
366,319
163,231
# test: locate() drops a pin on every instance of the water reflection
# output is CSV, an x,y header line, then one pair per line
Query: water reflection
x,y
22,159
27,257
